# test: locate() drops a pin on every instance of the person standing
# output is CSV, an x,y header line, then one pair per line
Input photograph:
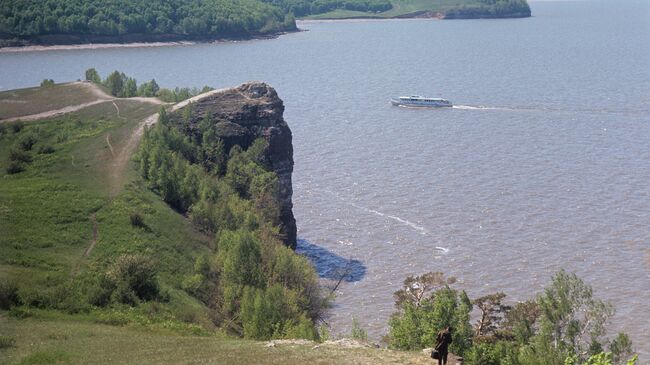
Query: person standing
x,y
442,344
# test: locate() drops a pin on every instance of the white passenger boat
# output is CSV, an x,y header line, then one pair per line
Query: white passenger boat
x,y
420,101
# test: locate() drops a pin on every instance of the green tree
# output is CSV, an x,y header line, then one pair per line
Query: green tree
x,y
572,322
114,83
621,348
93,76
130,88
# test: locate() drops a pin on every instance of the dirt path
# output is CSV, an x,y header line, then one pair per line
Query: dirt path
x,y
117,108
102,97
122,158
89,249
54,113
110,146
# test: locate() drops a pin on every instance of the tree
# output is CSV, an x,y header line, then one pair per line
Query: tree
x,y
572,322
520,321
93,76
492,314
416,288
621,348
130,88
423,312
114,83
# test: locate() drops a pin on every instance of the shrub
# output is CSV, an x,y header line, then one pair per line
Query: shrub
x,y
6,342
357,332
47,83
8,295
18,155
28,141
47,149
15,167
132,278
17,126
137,220
421,316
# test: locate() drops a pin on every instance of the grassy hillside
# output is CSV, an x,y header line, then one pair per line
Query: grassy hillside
x,y
73,340
439,8
65,224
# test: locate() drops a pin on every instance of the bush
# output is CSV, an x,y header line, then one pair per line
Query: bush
x,y
47,83
28,141
132,278
6,342
47,149
137,220
357,332
15,167
18,155
17,126
8,295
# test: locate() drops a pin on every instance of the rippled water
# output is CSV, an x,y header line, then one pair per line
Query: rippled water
x,y
543,164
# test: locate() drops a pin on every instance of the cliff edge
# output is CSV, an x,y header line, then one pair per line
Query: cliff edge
x,y
243,114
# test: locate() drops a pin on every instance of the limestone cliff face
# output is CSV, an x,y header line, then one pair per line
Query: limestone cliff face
x,y
245,113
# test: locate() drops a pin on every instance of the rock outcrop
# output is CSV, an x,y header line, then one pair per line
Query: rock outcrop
x,y
243,114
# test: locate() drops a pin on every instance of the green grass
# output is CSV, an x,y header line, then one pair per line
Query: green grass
x,y
81,342
34,100
45,211
400,8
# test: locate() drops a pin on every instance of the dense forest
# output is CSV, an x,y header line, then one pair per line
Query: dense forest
x,y
76,21
207,18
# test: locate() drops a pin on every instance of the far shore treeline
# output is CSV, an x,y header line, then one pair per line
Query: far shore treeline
x,y
28,22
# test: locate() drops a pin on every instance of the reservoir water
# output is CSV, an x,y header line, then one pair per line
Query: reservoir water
x,y
544,164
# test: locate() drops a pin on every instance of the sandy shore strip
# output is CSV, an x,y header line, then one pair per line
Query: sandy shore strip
x,y
68,47
84,46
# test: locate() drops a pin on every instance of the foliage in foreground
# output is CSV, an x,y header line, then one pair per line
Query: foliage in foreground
x,y
563,325
258,287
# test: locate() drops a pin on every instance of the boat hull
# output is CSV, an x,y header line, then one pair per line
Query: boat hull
x,y
412,104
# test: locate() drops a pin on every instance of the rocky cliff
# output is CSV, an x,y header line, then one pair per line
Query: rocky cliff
x,y
243,114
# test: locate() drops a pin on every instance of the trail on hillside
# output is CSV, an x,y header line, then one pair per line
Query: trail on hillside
x,y
89,249
122,158
118,167
102,97
54,113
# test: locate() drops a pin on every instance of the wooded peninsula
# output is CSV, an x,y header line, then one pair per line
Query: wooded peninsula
x,y
51,22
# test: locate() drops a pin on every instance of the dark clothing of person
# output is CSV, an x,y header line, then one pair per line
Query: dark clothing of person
x,y
442,345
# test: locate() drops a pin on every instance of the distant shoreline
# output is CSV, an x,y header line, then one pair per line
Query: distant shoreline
x,y
63,46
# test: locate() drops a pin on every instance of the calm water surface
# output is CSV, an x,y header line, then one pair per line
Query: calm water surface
x,y
545,163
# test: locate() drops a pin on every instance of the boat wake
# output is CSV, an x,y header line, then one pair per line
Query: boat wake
x,y
479,107
439,251
403,221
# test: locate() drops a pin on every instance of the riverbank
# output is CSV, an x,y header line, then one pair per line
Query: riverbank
x,y
66,44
